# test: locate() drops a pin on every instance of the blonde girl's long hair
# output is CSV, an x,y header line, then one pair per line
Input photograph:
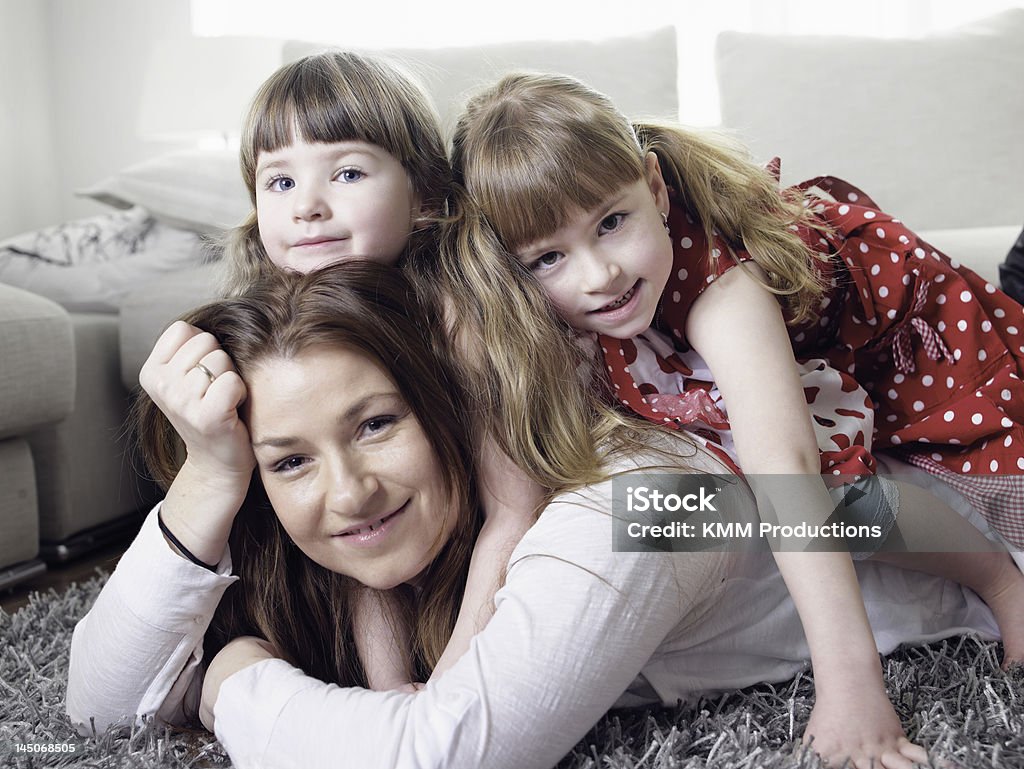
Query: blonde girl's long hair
x,y
533,150
283,596
529,381
333,97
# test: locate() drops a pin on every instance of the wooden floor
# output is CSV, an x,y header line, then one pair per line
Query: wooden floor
x,y
61,576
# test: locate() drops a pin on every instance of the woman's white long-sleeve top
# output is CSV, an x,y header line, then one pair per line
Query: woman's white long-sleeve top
x,y
577,629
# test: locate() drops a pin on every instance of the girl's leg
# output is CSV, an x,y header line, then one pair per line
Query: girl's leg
x,y
940,541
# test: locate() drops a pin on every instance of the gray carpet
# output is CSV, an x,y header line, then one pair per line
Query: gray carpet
x,y
951,696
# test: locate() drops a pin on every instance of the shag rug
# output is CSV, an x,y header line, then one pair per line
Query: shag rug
x,y
952,697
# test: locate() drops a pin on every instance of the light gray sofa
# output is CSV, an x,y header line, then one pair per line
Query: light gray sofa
x,y
37,385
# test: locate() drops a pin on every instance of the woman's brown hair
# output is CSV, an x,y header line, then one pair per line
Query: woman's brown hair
x,y
283,596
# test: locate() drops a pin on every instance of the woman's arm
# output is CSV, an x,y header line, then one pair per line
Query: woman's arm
x,y
137,651
737,327
194,383
573,626
145,631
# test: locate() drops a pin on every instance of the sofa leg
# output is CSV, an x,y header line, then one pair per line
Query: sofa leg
x,y
117,530
21,572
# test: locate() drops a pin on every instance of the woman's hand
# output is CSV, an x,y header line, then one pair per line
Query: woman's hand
x,y
194,383
235,656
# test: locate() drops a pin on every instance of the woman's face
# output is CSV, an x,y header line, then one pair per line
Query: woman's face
x,y
346,465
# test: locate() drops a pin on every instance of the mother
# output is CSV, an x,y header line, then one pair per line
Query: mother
x,y
361,453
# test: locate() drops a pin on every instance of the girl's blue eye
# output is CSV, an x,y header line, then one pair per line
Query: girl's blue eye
x,y
350,175
547,260
611,222
281,184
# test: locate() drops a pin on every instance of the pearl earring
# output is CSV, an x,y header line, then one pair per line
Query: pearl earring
x,y
664,220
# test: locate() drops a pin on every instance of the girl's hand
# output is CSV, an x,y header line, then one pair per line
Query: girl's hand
x,y
202,407
865,728
235,656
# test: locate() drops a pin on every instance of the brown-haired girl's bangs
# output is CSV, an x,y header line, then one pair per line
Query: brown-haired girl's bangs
x,y
318,102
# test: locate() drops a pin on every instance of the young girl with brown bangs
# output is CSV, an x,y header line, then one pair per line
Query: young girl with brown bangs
x,y
839,333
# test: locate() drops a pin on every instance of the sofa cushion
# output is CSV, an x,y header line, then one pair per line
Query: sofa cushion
x,y
90,264
147,312
197,190
929,127
638,72
37,362
19,520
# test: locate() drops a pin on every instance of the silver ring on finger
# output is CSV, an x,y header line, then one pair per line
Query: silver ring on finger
x,y
212,377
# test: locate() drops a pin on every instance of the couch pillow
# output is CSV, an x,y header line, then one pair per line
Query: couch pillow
x,y
638,72
89,265
199,190
930,128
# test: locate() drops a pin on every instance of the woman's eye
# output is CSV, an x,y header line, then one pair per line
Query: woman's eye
x,y
349,175
611,223
281,184
377,425
545,261
287,464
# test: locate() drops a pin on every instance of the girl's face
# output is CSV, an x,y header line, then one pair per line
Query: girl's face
x,y
605,269
318,204
347,467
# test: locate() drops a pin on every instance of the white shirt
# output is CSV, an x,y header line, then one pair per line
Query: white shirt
x,y
575,627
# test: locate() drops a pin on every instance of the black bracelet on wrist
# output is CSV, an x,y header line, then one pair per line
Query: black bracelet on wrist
x,y
177,543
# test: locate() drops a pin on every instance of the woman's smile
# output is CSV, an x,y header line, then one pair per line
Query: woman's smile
x,y
373,533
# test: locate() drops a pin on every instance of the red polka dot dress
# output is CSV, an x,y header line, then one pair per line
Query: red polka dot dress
x,y
911,353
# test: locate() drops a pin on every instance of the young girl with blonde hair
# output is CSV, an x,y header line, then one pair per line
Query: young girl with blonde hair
x,y
632,231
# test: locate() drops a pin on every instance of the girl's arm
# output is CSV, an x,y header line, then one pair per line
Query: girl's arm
x,y
510,500
737,327
382,640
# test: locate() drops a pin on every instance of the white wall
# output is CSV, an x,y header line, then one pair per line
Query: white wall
x,y
30,183
70,84
98,51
